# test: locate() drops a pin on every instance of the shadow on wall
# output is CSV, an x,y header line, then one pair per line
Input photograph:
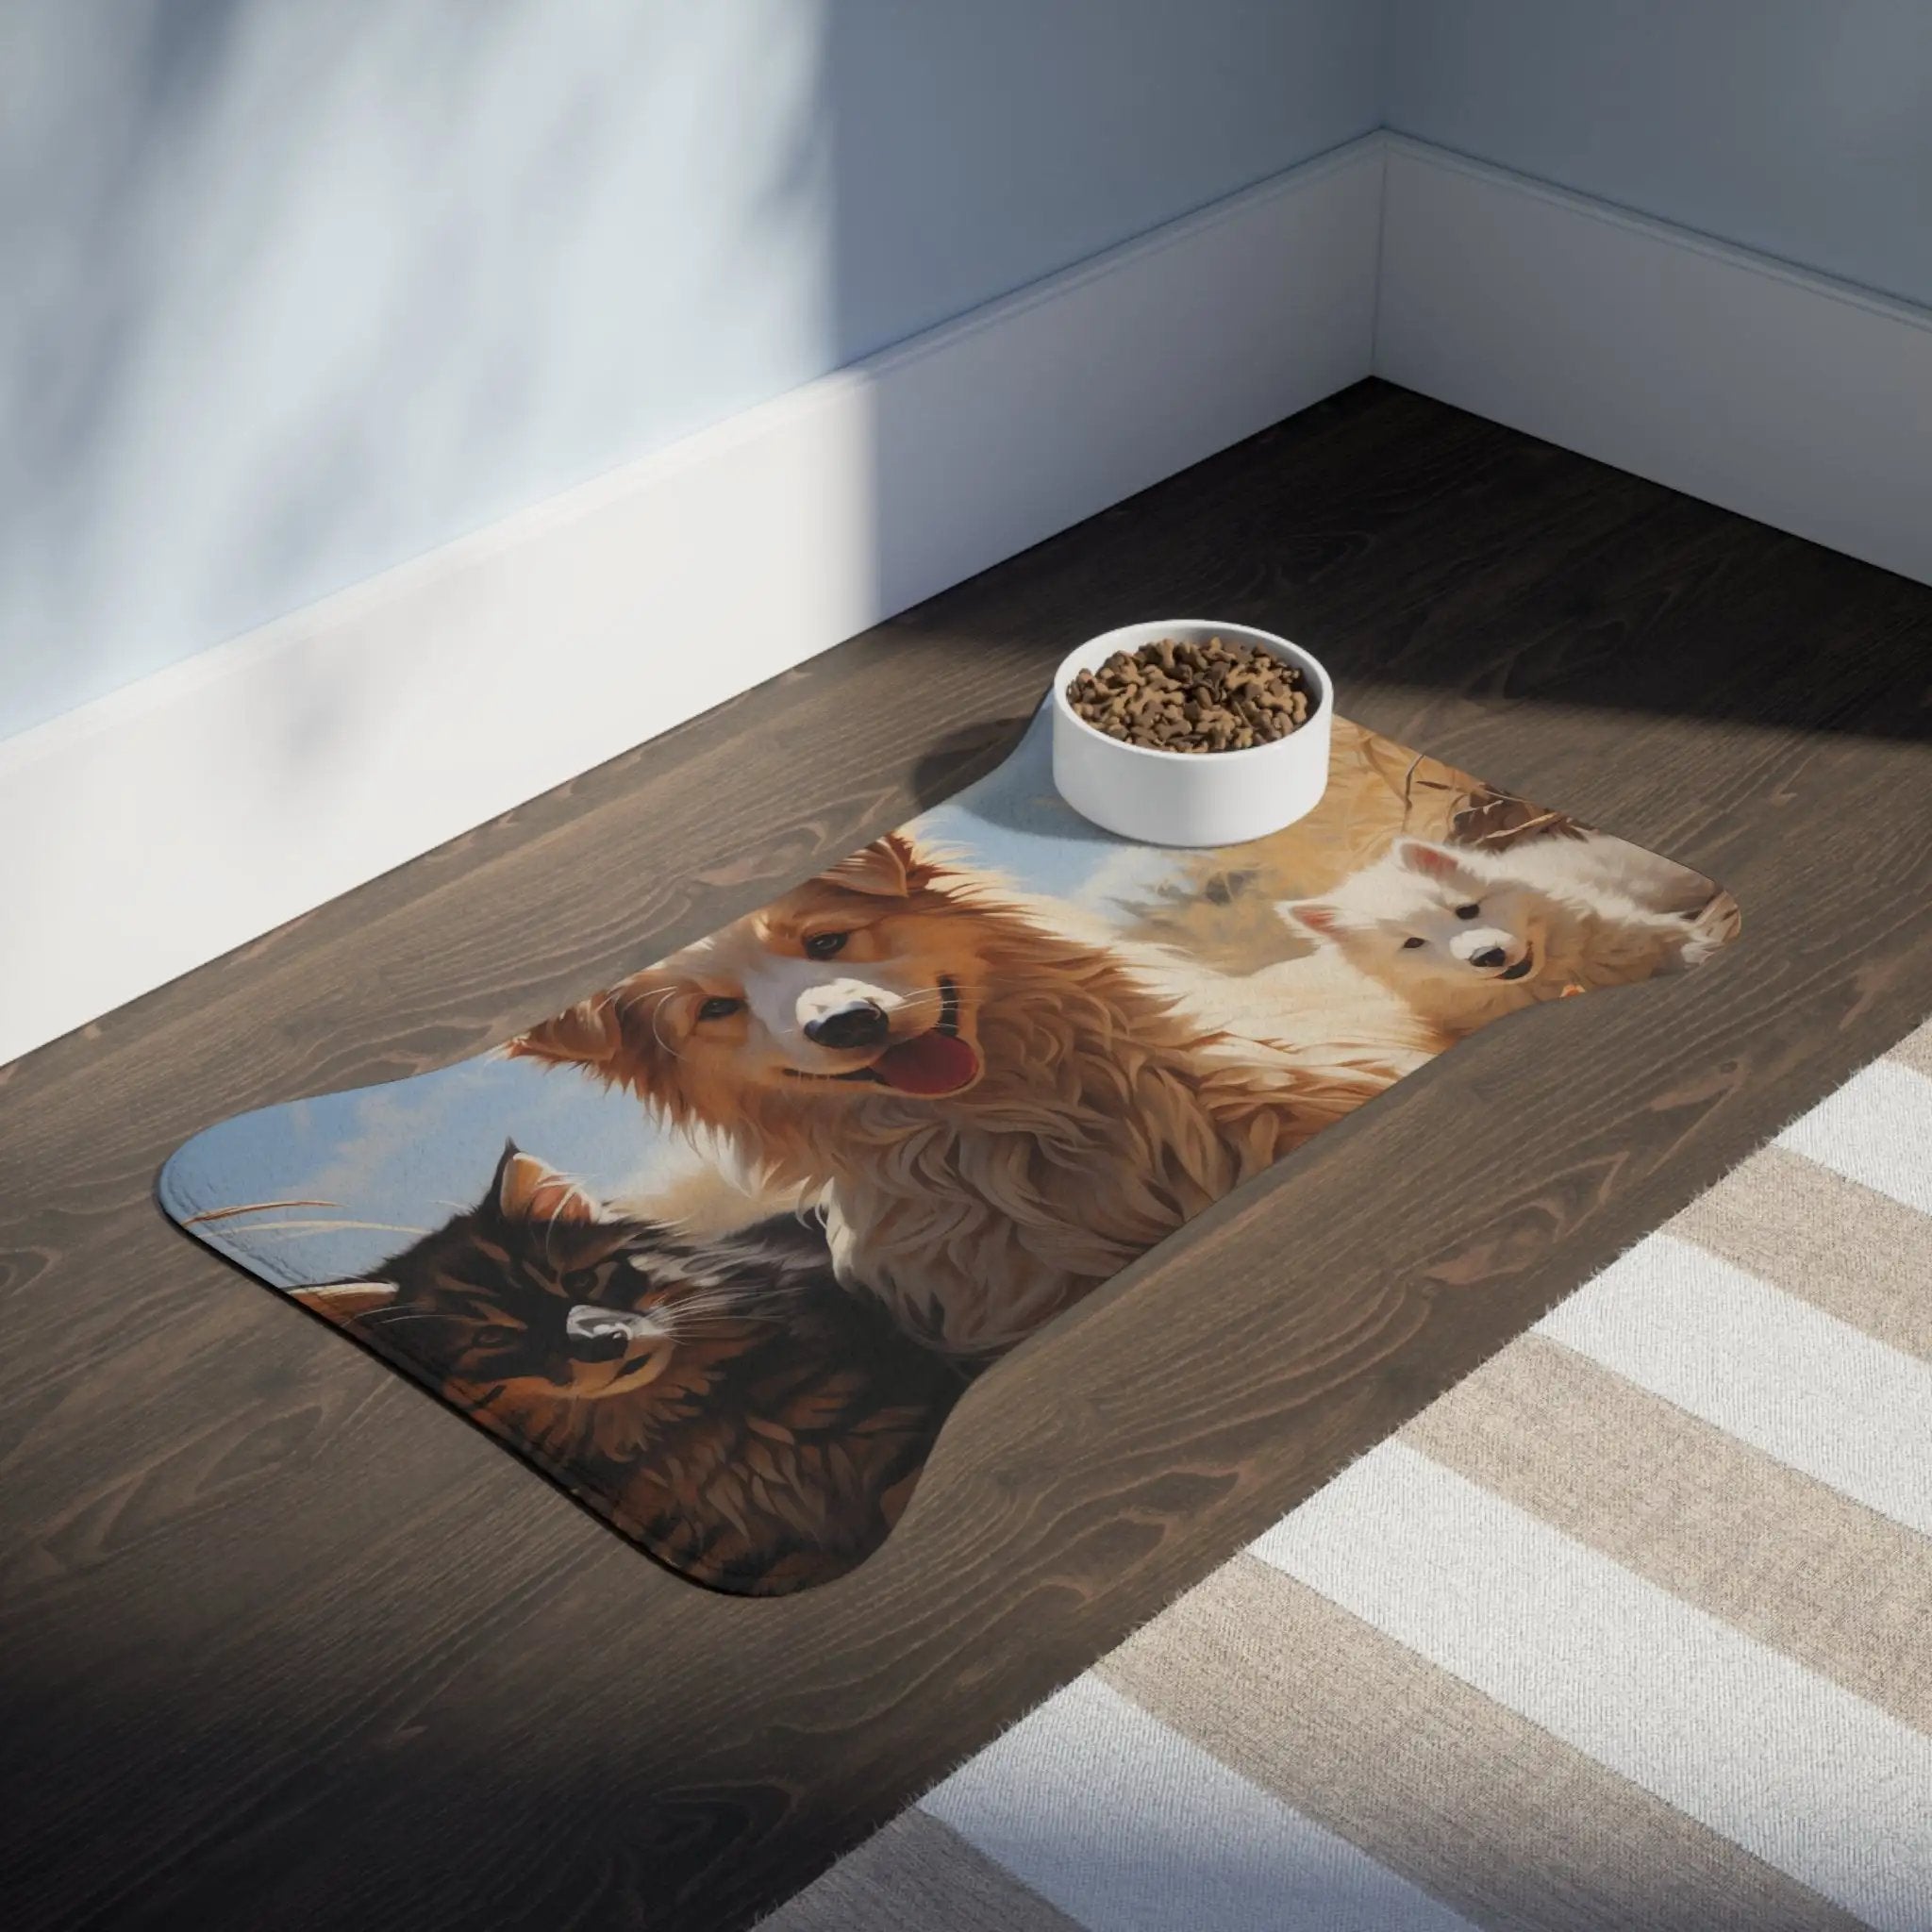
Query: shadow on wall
x,y
305,291
302,293
297,293
1052,136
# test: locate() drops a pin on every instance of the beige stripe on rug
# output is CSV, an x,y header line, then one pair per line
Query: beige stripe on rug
x,y
1630,1630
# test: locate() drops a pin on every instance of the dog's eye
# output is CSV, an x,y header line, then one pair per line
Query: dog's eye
x,y
1413,941
821,945
1467,911
719,1007
582,1281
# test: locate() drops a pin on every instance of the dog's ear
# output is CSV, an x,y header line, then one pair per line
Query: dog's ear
x,y
1432,861
588,1034
340,1300
888,868
526,1188
616,1036
1315,914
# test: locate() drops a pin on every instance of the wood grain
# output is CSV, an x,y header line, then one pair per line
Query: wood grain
x,y
284,1643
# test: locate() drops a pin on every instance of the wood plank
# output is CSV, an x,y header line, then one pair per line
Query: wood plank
x,y
288,1644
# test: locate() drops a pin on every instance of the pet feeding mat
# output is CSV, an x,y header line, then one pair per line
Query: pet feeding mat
x,y
718,1248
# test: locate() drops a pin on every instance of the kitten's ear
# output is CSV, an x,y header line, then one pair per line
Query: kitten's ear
x,y
525,1189
340,1300
888,868
1315,914
1432,861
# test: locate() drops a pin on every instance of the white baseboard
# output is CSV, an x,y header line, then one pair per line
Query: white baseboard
x,y
1801,401
157,828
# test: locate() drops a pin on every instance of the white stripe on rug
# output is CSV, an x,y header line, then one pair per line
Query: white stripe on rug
x,y
1811,1778
1126,1826
1788,1559
1510,1827
1818,1394
1877,1129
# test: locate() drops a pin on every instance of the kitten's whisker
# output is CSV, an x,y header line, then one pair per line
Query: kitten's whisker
x,y
329,1227
250,1207
693,1311
375,1316
772,1291
737,1296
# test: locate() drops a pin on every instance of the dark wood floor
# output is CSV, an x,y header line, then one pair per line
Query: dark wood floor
x,y
284,1643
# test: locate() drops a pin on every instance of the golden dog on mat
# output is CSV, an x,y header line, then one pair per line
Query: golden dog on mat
x,y
994,1113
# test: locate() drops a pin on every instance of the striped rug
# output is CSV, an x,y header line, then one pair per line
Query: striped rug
x,y
1633,1629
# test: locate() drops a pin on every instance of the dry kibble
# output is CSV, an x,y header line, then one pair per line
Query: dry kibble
x,y
1185,696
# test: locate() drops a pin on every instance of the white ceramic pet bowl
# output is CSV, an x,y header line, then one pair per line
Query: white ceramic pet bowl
x,y
1191,799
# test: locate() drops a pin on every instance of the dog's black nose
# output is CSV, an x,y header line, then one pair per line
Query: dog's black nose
x,y
862,1023
1489,956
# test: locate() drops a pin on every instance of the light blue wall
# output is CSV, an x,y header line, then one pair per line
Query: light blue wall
x,y
1799,128
978,145
290,292
293,292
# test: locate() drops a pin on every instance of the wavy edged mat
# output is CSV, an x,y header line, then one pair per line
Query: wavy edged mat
x,y
718,1248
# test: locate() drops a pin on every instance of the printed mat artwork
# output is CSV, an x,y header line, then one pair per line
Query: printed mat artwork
x,y
718,1247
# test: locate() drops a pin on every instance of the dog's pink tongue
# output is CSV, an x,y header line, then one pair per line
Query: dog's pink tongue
x,y
934,1063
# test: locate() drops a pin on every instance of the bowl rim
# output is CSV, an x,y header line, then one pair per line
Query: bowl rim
x,y
1299,653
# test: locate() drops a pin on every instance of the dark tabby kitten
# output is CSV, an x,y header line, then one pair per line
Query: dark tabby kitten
x,y
725,1403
